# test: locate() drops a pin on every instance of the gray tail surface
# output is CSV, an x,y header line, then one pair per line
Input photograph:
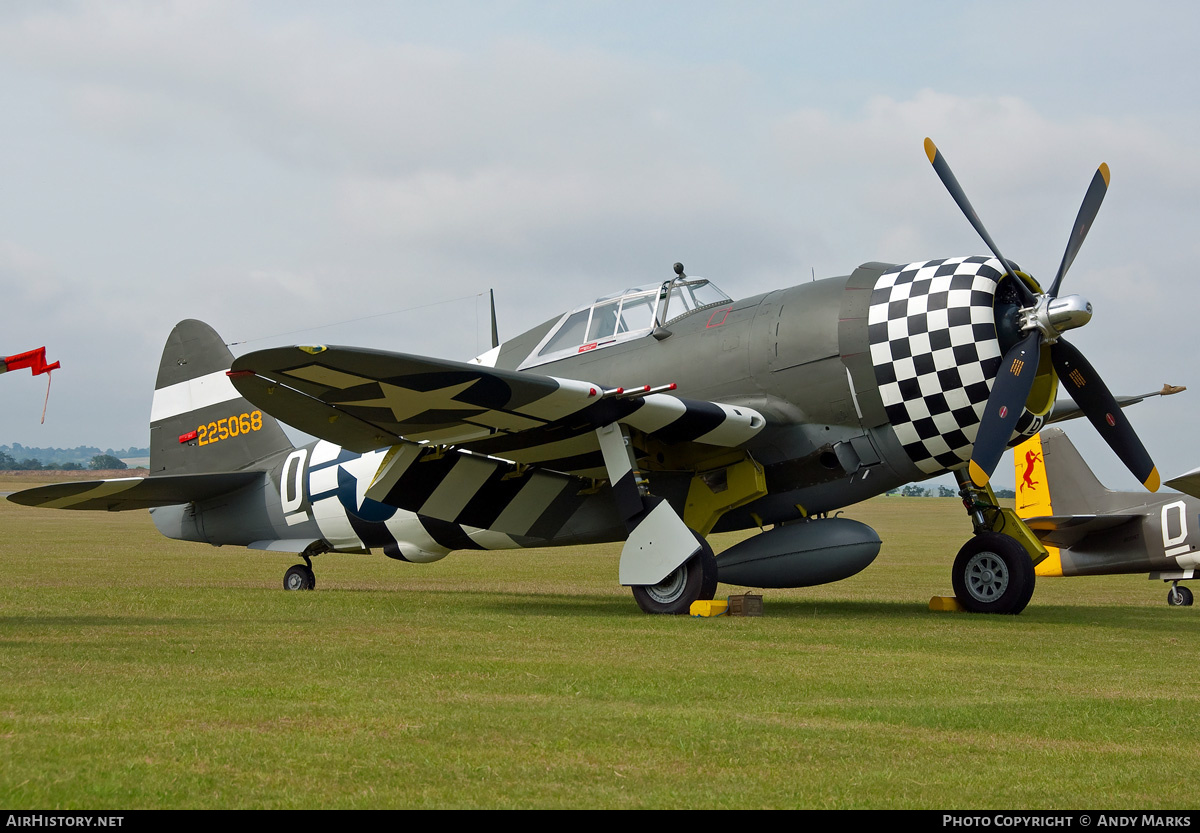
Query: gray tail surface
x,y
199,423
1071,485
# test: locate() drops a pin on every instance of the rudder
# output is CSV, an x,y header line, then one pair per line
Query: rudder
x,y
199,423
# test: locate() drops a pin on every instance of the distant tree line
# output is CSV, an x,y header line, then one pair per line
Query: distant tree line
x,y
21,458
913,490
98,461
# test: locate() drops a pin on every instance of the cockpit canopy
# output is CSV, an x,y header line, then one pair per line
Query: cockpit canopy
x,y
623,316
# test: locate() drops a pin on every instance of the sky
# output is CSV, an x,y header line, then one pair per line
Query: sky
x,y
314,172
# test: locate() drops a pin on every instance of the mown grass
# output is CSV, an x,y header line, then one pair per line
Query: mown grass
x,y
137,672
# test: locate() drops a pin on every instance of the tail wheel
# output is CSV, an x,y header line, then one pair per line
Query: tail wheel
x,y
993,574
1179,596
693,580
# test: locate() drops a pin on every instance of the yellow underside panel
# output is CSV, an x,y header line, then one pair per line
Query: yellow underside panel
x,y
1051,565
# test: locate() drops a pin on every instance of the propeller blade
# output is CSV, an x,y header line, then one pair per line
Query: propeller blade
x,y
1093,397
951,182
1083,223
1004,406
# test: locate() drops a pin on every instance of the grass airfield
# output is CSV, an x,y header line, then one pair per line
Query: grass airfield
x,y
137,672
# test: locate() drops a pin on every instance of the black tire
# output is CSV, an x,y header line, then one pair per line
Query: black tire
x,y
993,574
1180,597
708,587
312,577
299,577
694,580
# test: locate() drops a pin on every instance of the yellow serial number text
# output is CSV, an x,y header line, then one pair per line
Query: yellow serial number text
x,y
231,426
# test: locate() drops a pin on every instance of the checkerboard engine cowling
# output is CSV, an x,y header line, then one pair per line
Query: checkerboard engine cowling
x,y
934,348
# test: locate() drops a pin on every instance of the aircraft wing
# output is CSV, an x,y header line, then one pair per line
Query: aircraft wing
x,y
1065,409
1068,530
125,493
366,399
1188,483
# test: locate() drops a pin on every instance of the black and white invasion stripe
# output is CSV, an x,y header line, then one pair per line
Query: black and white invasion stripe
x,y
472,490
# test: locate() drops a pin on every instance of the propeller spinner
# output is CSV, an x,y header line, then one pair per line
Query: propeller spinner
x,y
1043,319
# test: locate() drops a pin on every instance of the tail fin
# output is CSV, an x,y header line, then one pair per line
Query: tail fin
x,y
1048,463
199,423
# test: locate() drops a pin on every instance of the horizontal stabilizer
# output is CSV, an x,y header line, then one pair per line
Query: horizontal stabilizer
x,y
125,493
1068,530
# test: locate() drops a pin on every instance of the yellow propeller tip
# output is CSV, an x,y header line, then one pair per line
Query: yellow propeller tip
x,y
930,149
1152,482
978,476
1104,173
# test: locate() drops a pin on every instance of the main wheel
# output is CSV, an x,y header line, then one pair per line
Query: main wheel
x,y
693,580
993,574
1179,596
299,577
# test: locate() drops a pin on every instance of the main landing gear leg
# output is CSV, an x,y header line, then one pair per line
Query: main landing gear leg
x,y
994,571
667,565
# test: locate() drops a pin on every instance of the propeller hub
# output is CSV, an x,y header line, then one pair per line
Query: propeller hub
x,y
1054,316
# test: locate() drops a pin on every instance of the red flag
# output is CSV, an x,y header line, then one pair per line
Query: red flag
x,y
35,360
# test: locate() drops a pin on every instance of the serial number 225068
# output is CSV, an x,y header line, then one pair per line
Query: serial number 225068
x,y
231,426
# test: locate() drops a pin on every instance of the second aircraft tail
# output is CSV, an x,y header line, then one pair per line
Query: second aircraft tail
x,y
1053,479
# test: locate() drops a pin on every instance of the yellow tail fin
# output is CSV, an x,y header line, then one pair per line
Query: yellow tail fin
x,y
1029,471
1033,495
